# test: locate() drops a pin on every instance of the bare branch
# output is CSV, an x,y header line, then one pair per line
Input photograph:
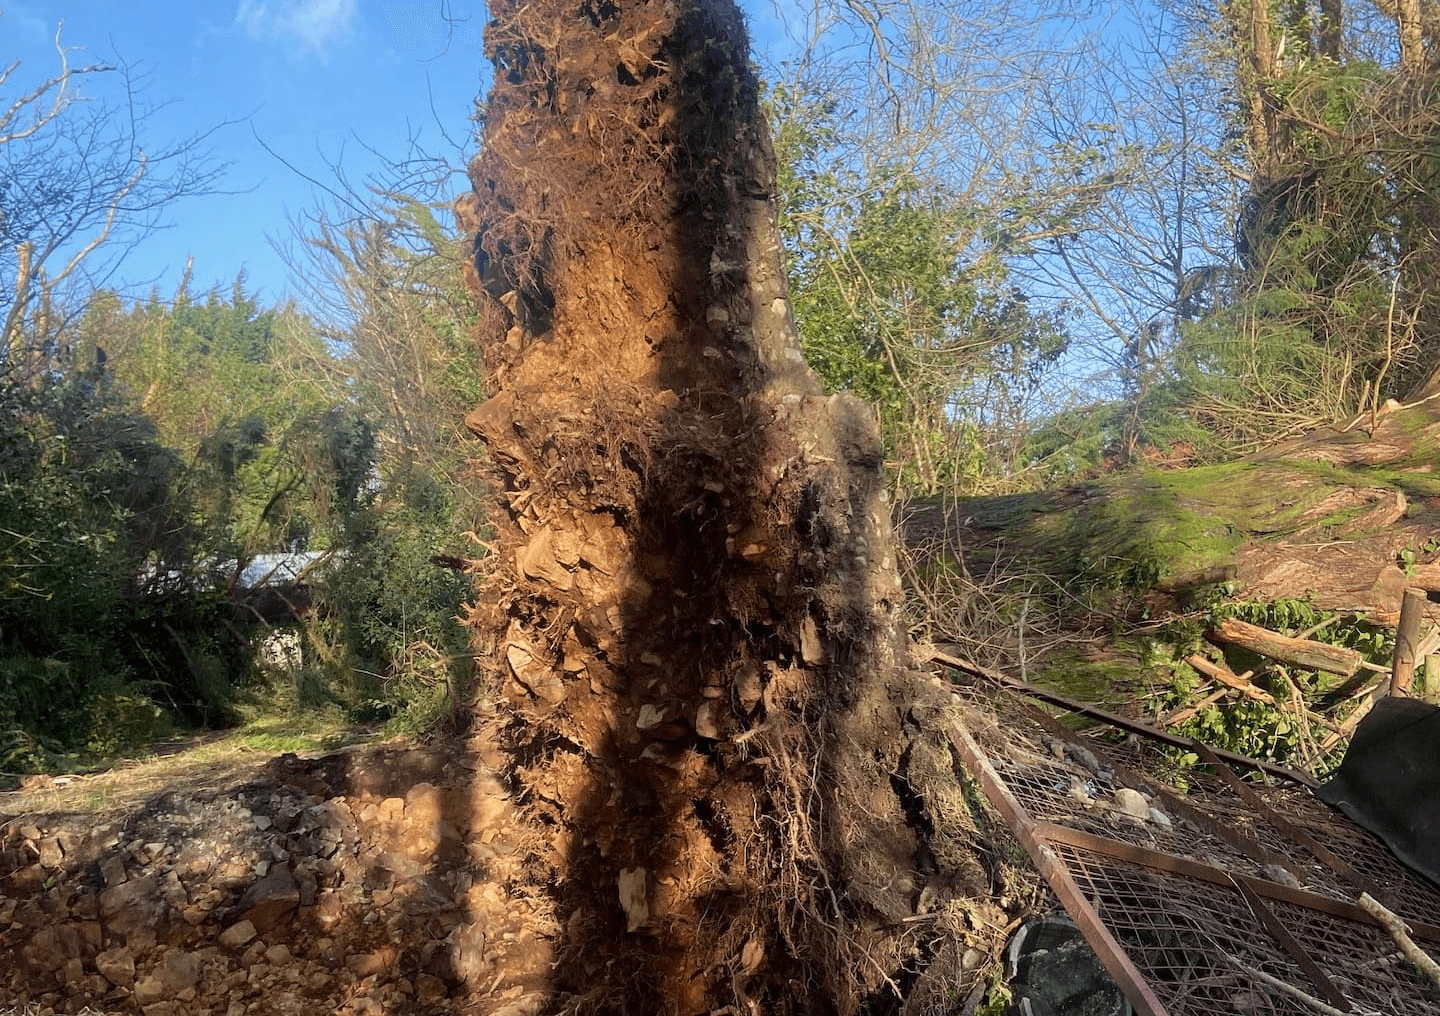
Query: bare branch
x,y
82,190
59,84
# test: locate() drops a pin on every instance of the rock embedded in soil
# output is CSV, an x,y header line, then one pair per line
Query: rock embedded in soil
x,y
117,966
237,935
270,899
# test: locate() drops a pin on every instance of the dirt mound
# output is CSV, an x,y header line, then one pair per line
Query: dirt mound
x,y
378,880
385,880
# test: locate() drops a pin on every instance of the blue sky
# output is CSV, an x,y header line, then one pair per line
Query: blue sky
x,y
315,81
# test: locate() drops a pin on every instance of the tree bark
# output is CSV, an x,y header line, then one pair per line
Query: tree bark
x,y
1305,653
1346,517
1252,27
1412,43
1407,641
692,614
1332,29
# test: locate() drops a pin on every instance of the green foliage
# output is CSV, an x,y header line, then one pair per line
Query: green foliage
x,y
1298,349
134,492
890,308
316,695
226,330
408,363
1328,97
400,610
1247,727
1408,556
1237,723
1243,724
1062,447
1278,615
33,693
123,718
1337,246
150,451
1066,447
83,488
233,391
24,752
998,998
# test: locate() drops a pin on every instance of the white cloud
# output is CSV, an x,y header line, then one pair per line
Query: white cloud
x,y
304,27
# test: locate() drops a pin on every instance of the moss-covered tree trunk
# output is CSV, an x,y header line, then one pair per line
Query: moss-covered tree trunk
x,y
692,614
1346,516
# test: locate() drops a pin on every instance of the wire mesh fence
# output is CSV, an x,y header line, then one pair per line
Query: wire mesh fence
x,y
1203,893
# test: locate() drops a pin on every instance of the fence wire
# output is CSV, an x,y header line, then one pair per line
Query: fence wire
x,y
1201,892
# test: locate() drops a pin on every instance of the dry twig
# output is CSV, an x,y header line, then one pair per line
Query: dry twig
x,y
1400,932
1286,988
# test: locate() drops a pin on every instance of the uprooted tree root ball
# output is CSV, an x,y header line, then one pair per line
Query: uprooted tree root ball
x,y
693,612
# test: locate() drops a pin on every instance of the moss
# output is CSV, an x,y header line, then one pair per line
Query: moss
x,y
1107,681
1131,533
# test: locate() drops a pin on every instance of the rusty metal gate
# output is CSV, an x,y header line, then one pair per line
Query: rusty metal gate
x,y
1231,897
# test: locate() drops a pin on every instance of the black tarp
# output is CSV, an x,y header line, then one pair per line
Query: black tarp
x,y
1389,781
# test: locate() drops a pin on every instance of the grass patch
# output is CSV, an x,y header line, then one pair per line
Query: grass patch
x,y
203,762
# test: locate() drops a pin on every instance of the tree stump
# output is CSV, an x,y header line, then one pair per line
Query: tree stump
x,y
692,616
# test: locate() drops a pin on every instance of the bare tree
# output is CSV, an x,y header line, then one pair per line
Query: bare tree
x,y
78,189
1153,249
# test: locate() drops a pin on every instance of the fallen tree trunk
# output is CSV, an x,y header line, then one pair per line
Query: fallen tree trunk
x,y
1346,518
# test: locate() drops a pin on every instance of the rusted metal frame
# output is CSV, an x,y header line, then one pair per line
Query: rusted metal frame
x,y
1057,875
1171,864
1144,729
1281,934
1321,852
1251,848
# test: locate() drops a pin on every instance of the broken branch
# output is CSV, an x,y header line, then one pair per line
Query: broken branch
x,y
1301,652
1223,675
1407,639
1181,715
1400,932
1286,988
